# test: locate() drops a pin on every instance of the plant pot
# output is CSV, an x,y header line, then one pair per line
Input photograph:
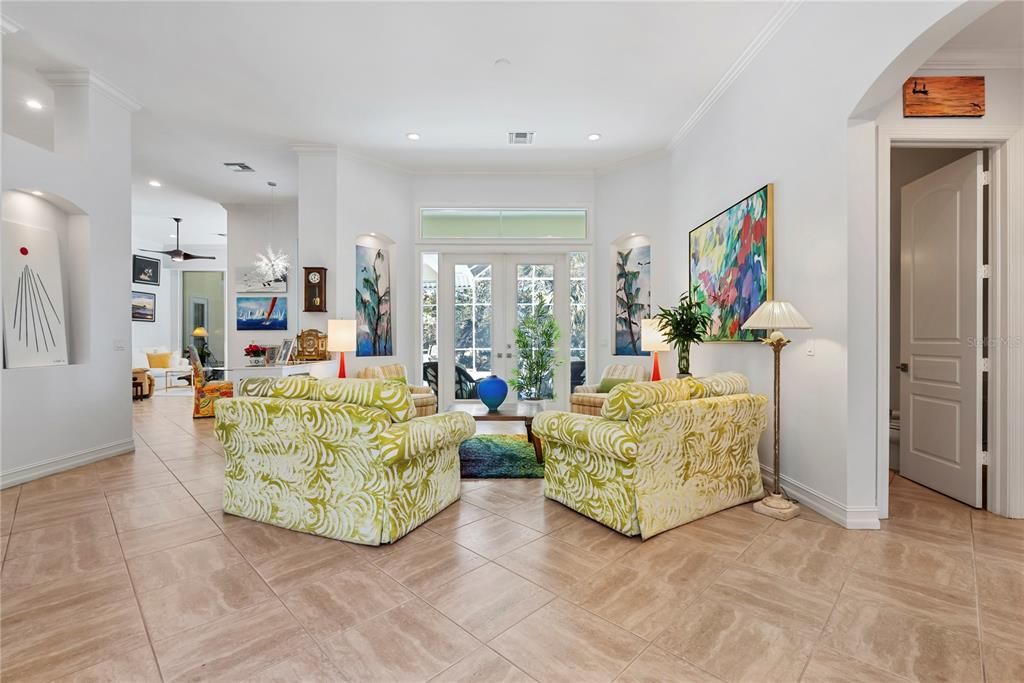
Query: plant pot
x,y
255,360
539,403
683,360
492,392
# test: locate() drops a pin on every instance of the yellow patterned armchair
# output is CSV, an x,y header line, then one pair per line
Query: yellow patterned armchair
x,y
422,397
346,459
205,393
660,455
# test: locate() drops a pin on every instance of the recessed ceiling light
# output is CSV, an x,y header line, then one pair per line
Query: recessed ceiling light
x,y
34,104
155,183
413,136
37,193
594,137
632,234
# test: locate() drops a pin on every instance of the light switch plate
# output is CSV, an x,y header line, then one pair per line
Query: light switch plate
x,y
810,347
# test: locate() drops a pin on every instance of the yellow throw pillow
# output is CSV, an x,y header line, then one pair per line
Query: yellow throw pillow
x,y
159,360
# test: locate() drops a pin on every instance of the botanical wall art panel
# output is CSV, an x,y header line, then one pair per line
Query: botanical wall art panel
x,y
252,279
261,313
632,298
145,270
373,302
35,328
731,265
144,307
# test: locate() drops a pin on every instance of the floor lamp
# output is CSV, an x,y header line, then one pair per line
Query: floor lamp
x,y
341,337
775,316
652,338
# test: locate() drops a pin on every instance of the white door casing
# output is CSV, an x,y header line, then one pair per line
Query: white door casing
x,y
940,336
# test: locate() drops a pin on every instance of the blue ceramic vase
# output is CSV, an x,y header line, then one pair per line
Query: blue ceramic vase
x,y
492,391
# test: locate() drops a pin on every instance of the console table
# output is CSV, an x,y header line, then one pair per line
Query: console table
x,y
316,369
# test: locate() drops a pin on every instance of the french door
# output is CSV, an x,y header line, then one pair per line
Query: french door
x,y
481,300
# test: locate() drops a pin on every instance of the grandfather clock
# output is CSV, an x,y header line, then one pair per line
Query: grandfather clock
x,y
314,290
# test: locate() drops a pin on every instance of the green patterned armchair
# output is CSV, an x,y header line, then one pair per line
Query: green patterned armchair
x,y
661,454
346,459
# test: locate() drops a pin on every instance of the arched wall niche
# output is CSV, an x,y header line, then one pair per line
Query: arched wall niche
x,y
632,258
377,300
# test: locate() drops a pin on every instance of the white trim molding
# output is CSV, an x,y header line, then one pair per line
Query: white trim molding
x,y
964,59
28,473
854,517
769,30
83,77
313,148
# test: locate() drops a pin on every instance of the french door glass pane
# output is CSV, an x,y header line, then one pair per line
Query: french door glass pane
x,y
428,306
473,318
578,318
535,286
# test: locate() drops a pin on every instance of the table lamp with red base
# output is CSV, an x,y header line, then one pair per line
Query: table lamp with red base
x,y
652,338
341,337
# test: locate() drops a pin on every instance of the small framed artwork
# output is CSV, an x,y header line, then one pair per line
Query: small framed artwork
x,y
286,352
145,270
143,307
271,356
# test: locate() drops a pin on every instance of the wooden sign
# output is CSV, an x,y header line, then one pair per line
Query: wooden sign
x,y
925,96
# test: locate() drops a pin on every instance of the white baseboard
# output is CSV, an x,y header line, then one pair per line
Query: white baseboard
x,y
28,473
848,517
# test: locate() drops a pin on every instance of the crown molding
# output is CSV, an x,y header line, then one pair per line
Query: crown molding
x,y
965,59
765,35
8,26
83,77
313,148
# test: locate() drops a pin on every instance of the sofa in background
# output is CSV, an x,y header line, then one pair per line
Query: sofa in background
x,y
661,454
423,397
177,366
341,458
587,399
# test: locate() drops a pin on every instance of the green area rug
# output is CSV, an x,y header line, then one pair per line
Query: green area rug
x,y
499,456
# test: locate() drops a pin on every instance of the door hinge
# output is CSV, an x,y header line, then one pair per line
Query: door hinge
x,y
984,457
985,272
986,365
986,177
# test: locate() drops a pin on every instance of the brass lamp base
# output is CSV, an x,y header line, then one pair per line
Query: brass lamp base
x,y
775,506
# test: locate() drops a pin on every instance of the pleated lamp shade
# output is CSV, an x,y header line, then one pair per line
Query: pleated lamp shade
x,y
776,315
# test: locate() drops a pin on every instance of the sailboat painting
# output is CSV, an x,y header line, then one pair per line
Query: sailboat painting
x,y
35,325
261,313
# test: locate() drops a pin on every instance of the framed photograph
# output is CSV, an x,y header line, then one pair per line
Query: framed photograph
x,y
286,352
144,307
731,265
145,270
270,358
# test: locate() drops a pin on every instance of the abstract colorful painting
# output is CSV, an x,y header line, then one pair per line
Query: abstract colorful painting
x,y
731,265
261,313
632,298
373,302
35,329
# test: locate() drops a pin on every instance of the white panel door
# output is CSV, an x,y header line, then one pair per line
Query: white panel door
x,y
940,440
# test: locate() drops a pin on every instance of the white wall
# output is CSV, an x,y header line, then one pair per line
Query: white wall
x,y
250,233
88,400
162,332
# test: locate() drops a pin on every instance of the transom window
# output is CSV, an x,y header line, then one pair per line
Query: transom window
x,y
560,224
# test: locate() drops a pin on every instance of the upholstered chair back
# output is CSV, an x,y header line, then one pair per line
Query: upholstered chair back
x,y
394,371
393,399
633,371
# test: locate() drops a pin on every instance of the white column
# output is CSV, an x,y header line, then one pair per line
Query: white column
x,y
318,228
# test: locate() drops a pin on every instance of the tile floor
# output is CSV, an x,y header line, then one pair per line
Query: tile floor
x,y
127,570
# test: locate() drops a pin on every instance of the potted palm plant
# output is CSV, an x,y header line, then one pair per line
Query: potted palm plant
x,y
536,339
683,325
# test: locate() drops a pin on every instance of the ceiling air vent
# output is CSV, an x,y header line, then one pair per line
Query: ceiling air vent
x,y
239,167
520,138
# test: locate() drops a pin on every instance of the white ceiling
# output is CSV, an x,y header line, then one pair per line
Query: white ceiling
x,y
240,81
1002,28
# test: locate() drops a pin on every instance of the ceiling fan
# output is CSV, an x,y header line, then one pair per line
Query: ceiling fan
x,y
177,254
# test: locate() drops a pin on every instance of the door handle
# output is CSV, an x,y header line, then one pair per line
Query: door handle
x,y
904,367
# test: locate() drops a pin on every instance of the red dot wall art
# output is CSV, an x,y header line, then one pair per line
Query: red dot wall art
x,y
35,328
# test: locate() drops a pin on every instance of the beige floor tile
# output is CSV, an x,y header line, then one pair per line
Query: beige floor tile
x,y
199,467
947,607
994,537
210,501
111,483
63,596
726,542
596,538
8,504
74,530
552,564
490,498
345,599
828,539
901,643
80,558
3,547
809,515
58,486
493,536
725,639
542,514
197,487
484,666
739,522
1001,599
199,600
428,644
167,535
169,452
1003,665
790,559
926,563
654,665
135,666
562,642
455,515
425,566
372,553
670,555
34,515
182,563
234,647
488,600
123,500
256,539
130,519
829,666
309,666
286,571
941,524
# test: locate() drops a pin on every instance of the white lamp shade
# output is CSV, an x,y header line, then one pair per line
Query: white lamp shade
x,y
341,335
652,337
776,315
